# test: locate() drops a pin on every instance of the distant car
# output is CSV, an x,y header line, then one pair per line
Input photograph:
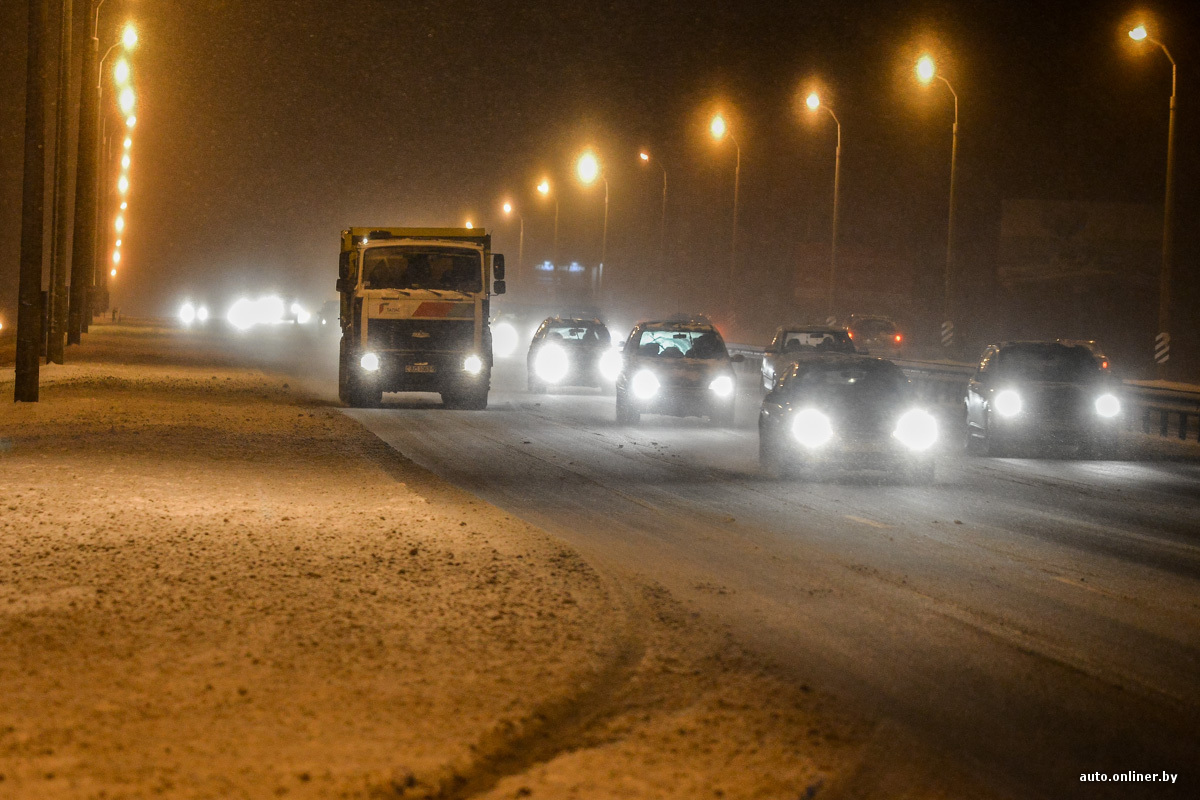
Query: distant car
x,y
677,368
845,411
874,334
796,341
571,352
1047,392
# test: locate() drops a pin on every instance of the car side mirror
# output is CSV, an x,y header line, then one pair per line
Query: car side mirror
x,y
344,267
498,268
345,285
500,288
737,359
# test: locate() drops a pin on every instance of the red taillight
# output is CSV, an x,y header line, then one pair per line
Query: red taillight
x,y
850,334
1103,365
897,337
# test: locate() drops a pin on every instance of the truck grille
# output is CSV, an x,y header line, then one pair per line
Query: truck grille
x,y
420,335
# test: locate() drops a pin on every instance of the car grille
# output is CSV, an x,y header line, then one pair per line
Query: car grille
x,y
442,335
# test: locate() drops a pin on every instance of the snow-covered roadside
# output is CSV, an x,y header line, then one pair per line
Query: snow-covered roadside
x,y
214,585
211,587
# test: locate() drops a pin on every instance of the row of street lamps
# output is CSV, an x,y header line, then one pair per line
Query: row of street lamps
x,y
588,169
69,308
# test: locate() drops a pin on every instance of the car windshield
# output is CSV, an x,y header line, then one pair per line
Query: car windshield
x,y
681,344
451,269
847,382
825,341
1046,362
584,333
874,328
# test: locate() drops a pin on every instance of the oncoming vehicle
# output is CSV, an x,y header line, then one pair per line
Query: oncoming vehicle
x,y
1025,393
572,352
414,314
677,368
875,334
845,411
796,341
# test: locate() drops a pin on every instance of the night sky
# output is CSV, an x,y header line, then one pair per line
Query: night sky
x,y
266,127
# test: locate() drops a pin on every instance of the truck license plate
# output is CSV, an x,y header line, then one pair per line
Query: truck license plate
x,y
419,368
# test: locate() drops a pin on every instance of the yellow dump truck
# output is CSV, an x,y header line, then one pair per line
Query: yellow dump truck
x,y
414,314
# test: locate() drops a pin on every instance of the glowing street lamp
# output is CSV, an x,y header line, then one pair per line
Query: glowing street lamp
x,y
116,256
720,130
129,36
123,184
927,72
508,211
113,273
130,121
1162,341
813,101
543,189
124,205
128,143
126,100
121,72
119,224
125,161
662,223
588,170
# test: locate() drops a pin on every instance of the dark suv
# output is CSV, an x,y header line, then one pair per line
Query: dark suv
x,y
1029,393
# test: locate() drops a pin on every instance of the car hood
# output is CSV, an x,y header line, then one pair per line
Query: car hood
x,y
684,372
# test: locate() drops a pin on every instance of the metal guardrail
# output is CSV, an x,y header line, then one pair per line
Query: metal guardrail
x,y
1154,410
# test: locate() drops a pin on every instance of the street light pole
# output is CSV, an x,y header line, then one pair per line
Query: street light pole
x,y
83,256
1162,341
814,102
33,194
59,256
662,222
926,71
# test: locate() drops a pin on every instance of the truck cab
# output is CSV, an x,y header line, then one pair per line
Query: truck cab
x,y
414,309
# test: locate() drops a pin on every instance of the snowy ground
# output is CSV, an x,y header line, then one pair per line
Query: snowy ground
x,y
214,585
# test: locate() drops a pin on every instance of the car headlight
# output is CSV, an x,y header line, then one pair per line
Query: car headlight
x,y
722,386
551,363
812,428
369,362
504,340
917,430
473,364
1108,406
202,314
187,314
610,364
644,385
1007,403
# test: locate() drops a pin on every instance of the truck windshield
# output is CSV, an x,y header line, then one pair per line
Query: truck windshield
x,y
415,267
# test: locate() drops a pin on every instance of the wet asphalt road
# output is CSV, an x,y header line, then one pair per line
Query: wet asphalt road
x,y
1027,620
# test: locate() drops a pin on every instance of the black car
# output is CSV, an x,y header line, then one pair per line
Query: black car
x,y
848,411
875,334
797,341
676,368
567,351
1027,394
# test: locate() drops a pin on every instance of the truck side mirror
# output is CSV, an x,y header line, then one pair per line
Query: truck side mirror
x,y
343,267
498,268
345,285
500,287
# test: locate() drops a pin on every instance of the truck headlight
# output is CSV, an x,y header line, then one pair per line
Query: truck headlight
x,y
722,386
504,339
473,364
369,362
644,385
610,364
551,363
1007,403
1108,406
812,428
917,430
